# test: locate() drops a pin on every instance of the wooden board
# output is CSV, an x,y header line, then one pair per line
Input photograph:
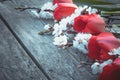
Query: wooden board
x,y
59,64
15,64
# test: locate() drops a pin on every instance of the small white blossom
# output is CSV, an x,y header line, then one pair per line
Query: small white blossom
x,y
115,52
95,68
98,67
61,40
83,36
46,27
35,13
81,42
57,30
80,47
45,14
47,5
91,10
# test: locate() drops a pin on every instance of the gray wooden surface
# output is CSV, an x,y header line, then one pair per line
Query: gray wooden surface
x,y
56,64
15,64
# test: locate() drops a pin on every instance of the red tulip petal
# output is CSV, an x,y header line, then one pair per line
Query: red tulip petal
x,y
105,56
93,48
101,45
117,61
92,23
107,41
95,24
80,22
62,1
111,71
63,10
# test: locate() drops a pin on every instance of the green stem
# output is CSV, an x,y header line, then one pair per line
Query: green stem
x,y
111,13
43,32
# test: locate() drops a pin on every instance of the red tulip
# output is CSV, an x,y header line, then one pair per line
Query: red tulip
x,y
89,23
99,46
62,1
111,71
63,10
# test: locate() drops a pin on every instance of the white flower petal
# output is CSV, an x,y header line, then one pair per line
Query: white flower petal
x,y
98,68
48,5
95,68
61,40
81,47
45,14
46,27
115,52
35,13
81,42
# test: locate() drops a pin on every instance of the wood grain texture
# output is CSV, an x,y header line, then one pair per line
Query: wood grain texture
x,y
15,64
59,64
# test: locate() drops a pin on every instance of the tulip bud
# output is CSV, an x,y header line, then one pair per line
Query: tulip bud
x,y
89,23
62,1
63,10
100,46
111,71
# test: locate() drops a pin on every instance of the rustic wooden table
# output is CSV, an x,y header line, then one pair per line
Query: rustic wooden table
x,y
25,55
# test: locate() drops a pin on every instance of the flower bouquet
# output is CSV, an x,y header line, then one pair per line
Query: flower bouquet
x,y
84,28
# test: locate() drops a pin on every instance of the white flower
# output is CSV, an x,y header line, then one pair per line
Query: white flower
x,y
48,6
91,10
46,27
45,14
115,52
83,36
61,40
62,25
95,68
54,6
35,13
81,42
80,47
57,30
98,67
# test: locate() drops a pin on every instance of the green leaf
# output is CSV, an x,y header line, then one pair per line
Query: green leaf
x,y
111,12
118,25
92,2
115,7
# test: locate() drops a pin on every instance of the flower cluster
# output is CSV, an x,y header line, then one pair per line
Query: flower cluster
x,y
85,30
46,11
111,71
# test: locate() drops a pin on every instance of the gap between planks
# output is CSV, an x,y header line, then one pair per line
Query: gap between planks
x,y
24,47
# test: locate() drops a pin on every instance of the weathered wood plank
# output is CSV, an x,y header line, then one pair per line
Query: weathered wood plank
x,y
15,64
29,2
58,63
